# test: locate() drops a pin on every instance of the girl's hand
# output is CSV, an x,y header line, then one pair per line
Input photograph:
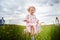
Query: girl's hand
x,y
26,21
37,21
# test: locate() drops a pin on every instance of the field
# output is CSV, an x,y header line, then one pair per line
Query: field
x,y
15,32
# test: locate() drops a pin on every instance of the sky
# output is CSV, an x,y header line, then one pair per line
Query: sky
x,y
14,11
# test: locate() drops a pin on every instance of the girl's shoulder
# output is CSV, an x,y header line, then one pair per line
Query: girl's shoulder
x,y
35,15
27,15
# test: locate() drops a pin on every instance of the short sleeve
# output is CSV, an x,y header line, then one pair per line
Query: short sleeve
x,y
27,17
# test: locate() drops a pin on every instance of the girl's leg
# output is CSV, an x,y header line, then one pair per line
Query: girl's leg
x,y
32,33
32,30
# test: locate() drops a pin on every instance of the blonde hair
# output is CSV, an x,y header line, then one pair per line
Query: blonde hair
x,y
31,7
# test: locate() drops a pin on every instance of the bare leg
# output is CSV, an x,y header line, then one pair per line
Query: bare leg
x,y
32,32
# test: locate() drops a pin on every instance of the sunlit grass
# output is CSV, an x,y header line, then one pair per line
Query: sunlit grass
x,y
15,32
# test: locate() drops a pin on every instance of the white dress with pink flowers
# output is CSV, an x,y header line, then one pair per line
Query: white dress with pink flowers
x,y
32,22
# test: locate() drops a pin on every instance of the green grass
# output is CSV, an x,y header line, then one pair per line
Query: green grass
x,y
15,32
49,32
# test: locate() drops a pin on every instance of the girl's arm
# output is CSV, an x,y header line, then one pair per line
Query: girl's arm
x,y
38,22
26,19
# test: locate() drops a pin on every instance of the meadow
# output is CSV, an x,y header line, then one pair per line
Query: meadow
x,y
15,32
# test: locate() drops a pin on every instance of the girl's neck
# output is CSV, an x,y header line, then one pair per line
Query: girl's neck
x,y
31,14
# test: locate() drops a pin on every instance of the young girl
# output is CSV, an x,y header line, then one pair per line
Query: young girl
x,y
31,22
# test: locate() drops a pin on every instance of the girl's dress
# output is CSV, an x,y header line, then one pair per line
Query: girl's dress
x,y
32,22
